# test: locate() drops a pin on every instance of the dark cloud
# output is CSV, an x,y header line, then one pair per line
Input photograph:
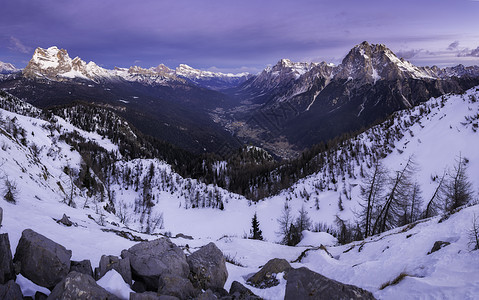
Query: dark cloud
x,y
225,34
469,53
408,54
453,45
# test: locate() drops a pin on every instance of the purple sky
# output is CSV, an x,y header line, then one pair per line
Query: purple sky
x,y
238,35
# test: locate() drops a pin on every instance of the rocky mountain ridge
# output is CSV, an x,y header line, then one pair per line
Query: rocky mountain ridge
x,y
7,68
55,64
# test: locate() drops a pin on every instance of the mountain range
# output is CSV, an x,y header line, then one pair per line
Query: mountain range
x,y
284,109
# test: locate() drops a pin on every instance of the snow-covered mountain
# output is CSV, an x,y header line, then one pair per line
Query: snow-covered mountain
x,y
211,80
55,64
369,84
7,68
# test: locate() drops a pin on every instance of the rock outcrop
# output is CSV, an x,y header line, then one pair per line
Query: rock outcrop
x,y
208,267
305,284
149,260
266,277
80,286
7,270
41,260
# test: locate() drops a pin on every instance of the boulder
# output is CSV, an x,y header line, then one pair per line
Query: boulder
x,y
122,266
7,270
266,277
438,245
10,291
65,221
41,260
83,266
40,296
208,267
207,295
144,296
240,292
80,286
173,285
149,260
305,284
151,296
184,236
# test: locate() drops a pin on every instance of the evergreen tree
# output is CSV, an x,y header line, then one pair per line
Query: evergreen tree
x,y
256,233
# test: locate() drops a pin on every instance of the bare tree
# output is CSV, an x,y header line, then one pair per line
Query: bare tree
x,y
400,187
10,191
285,221
372,192
433,206
474,234
458,189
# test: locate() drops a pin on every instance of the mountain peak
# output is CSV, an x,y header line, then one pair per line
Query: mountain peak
x,y
372,62
55,64
7,68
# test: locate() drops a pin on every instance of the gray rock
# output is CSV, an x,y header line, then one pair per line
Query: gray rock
x,y
305,284
145,296
151,296
151,259
65,221
1,216
122,266
7,270
240,292
80,286
266,277
83,266
10,291
138,287
208,267
184,236
41,260
173,285
438,245
207,295
40,296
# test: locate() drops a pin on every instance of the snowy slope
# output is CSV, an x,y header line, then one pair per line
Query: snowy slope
x,y
436,132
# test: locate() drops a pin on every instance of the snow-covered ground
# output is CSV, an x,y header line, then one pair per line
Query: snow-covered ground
x,y
435,141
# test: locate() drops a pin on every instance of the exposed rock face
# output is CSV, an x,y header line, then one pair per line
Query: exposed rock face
x,y
438,245
149,260
83,266
208,267
65,220
240,292
80,286
7,271
55,64
177,286
10,291
144,296
122,266
305,284
42,260
266,277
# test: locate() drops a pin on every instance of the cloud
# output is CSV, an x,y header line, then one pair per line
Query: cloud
x,y
408,54
469,53
453,45
18,46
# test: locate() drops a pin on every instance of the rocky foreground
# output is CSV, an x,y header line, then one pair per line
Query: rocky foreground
x,y
156,269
